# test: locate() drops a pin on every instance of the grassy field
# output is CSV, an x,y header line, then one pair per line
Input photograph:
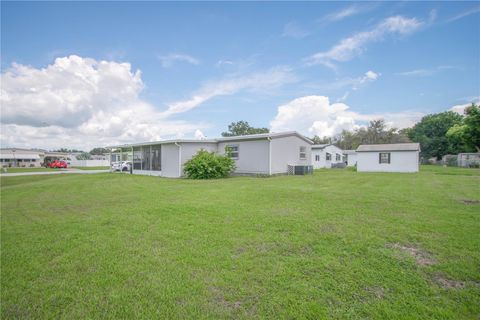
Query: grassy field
x,y
16,170
92,168
337,245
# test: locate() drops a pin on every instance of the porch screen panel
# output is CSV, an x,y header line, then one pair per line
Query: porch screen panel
x,y
137,158
146,158
157,157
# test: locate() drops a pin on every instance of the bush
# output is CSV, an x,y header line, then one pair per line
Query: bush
x,y
209,165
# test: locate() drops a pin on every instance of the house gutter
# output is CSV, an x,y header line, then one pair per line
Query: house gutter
x,y
269,155
179,159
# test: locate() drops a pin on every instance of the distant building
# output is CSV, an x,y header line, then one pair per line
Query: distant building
x,y
399,157
326,155
28,158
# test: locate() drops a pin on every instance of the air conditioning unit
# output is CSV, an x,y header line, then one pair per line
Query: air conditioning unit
x,y
299,169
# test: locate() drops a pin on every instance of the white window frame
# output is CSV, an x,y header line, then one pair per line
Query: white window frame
x,y
230,153
328,156
303,153
317,157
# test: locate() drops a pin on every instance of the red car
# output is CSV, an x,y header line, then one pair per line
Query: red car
x,y
57,164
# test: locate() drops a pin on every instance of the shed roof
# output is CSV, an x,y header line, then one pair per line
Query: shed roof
x,y
349,151
389,147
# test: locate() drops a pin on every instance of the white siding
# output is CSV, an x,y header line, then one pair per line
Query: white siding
x,y
400,161
286,150
351,159
253,156
322,153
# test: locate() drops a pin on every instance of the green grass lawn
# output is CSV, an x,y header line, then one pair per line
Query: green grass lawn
x,y
15,170
92,168
337,245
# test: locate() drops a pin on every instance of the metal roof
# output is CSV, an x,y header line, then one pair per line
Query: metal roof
x,y
17,156
320,146
222,139
389,147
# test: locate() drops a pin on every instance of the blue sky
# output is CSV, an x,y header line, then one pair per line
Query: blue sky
x,y
315,67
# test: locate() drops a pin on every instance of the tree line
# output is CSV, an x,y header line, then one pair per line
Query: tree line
x,y
438,134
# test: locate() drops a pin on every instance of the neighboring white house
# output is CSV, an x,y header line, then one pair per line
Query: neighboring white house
x,y
324,155
400,157
350,157
268,153
28,158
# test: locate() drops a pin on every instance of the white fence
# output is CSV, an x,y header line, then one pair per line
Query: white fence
x,y
89,163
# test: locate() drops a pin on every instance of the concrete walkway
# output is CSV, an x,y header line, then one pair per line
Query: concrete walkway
x,y
61,171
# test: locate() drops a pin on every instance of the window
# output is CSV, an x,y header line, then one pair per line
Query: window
x,y
328,156
303,152
232,151
338,157
317,157
384,157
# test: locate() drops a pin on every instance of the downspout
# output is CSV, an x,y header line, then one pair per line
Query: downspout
x,y
179,159
269,155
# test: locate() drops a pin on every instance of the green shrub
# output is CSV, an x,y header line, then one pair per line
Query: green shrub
x,y
209,165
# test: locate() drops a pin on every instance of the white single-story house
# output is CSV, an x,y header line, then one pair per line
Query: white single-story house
x,y
398,157
266,153
324,155
350,157
28,158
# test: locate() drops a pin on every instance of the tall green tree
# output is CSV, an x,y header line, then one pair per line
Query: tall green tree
x,y
467,134
376,132
99,151
242,128
431,133
325,140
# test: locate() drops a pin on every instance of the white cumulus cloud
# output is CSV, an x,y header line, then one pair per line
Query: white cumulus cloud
x,y
315,115
80,102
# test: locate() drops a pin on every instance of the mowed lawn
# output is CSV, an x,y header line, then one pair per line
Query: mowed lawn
x,y
337,245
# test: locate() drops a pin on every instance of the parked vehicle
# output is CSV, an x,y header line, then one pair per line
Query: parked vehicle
x,y
123,166
57,164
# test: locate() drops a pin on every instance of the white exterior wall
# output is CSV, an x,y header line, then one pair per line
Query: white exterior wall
x,y
286,150
323,162
400,161
253,156
351,159
170,161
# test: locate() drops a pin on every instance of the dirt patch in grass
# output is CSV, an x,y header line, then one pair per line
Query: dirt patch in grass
x,y
467,201
219,299
283,211
446,283
377,292
422,257
327,228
